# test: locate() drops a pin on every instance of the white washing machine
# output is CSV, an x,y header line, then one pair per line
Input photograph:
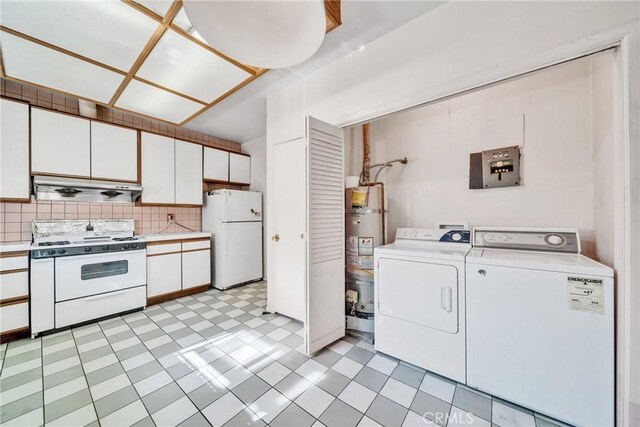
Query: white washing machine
x,y
540,324
420,299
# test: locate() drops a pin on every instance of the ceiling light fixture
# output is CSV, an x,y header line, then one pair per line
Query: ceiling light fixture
x,y
260,33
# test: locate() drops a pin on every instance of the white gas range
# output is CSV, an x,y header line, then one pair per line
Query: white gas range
x,y
84,270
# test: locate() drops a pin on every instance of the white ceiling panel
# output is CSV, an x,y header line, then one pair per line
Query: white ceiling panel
x,y
46,67
183,66
110,32
143,98
161,7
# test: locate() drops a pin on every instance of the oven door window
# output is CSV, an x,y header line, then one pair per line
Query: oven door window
x,y
104,269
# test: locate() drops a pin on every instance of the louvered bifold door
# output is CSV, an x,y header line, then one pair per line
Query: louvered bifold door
x,y
325,320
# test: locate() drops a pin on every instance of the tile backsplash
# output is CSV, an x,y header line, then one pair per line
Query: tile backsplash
x,y
15,218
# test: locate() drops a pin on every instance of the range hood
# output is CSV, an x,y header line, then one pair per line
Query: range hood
x,y
84,190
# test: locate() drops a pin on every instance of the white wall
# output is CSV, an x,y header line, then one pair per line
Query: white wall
x,y
256,148
550,114
604,102
437,54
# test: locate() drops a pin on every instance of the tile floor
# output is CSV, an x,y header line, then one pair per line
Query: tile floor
x,y
215,359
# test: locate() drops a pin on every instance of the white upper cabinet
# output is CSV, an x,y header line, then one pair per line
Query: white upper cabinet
x,y
114,152
188,171
216,165
239,168
14,151
158,174
60,144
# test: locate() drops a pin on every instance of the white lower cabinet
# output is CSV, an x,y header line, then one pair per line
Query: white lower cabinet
x,y
14,292
195,268
42,295
177,265
164,274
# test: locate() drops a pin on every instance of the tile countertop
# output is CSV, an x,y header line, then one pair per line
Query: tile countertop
x,y
15,246
175,236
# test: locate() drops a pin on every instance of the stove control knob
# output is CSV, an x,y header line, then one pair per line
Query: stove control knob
x,y
126,246
105,248
50,253
62,251
87,249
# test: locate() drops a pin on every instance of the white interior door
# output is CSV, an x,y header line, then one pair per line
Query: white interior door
x,y
325,320
287,229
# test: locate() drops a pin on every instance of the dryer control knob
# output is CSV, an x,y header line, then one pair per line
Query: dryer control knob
x,y
554,240
456,237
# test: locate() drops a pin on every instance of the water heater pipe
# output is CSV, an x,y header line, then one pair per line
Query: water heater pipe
x,y
366,154
403,161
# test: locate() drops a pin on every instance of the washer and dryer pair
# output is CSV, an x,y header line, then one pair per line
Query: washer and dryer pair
x,y
518,313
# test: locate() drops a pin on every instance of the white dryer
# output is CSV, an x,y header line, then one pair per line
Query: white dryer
x,y
540,324
420,299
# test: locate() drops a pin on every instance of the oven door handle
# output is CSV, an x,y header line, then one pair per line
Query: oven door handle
x,y
101,296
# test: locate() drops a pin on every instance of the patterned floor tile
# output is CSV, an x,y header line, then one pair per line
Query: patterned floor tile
x,y
293,415
223,409
217,357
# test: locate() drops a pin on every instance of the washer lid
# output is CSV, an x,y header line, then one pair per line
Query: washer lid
x,y
444,251
560,262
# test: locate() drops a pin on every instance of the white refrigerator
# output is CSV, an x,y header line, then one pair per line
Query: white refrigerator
x,y
235,220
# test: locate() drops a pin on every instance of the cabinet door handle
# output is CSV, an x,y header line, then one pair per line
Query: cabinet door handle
x,y
445,298
276,238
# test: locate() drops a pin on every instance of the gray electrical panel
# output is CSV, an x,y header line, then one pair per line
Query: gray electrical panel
x,y
494,168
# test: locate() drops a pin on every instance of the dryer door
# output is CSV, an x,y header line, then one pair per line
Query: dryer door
x,y
419,292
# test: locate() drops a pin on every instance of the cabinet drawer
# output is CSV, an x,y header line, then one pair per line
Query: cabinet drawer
x,y
196,245
163,248
14,263
94,307
14,285
14,316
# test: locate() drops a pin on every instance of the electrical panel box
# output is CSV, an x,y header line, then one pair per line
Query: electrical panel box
x,y
495,168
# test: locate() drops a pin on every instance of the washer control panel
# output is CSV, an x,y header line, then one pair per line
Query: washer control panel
x,y
567,241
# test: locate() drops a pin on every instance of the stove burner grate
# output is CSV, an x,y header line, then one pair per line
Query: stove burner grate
x,y
59,243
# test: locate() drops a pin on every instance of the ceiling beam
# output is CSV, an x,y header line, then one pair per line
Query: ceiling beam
x,y
333,14
162,27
